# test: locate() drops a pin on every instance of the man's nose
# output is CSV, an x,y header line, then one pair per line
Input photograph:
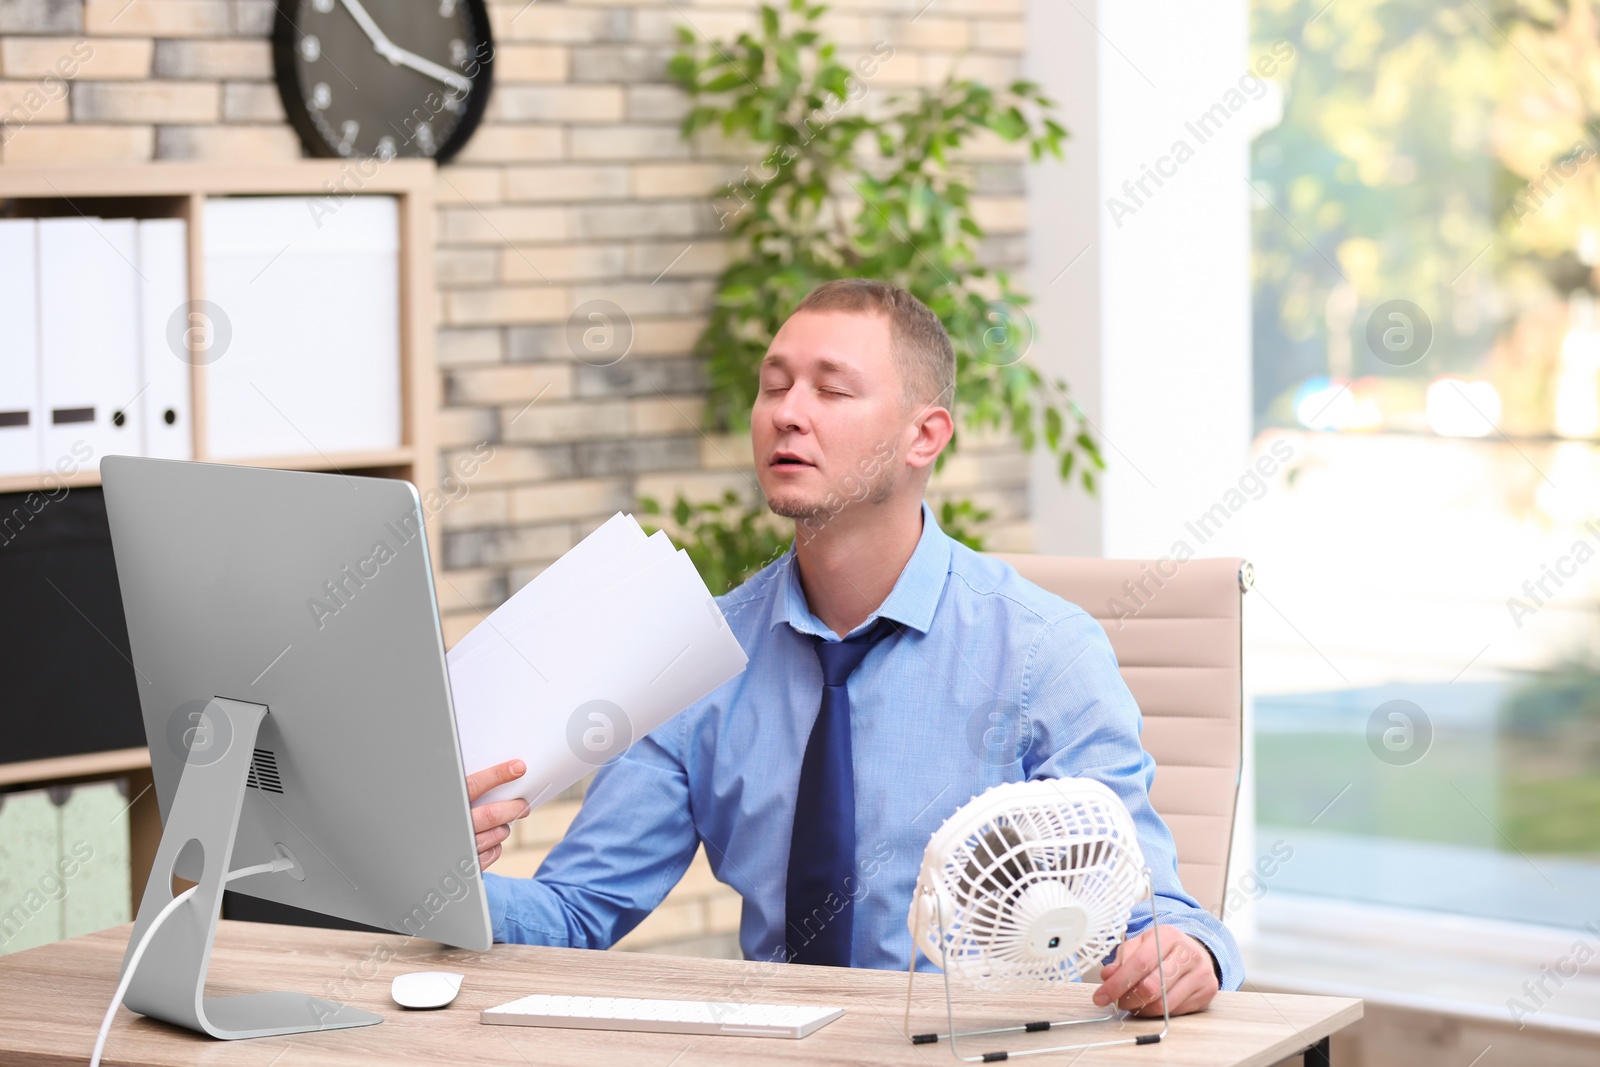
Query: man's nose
x,y
793,411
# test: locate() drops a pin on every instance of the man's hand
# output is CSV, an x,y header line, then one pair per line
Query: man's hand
x,y
1131,981
492,822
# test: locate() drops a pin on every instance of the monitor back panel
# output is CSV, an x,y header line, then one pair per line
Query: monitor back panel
x,y
313,595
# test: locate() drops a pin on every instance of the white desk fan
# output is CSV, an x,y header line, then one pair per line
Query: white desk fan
x,y
1030,882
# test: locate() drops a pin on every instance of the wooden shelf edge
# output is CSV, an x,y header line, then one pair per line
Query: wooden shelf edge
x,y
45,771
331,461
304,177
49,482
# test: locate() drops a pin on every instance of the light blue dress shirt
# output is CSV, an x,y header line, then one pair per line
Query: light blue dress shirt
x,y
987,679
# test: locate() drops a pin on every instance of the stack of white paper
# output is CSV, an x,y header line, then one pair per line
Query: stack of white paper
x,y
605,645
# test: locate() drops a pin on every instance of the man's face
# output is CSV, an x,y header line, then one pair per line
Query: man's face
x,y
829,417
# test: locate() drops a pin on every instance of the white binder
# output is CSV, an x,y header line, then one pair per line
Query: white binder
x,y
20,425
88,339
312,299
164,367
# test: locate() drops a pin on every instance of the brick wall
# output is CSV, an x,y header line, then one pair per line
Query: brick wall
x,y
576,187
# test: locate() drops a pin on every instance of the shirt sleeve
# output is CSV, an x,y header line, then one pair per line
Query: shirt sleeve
x,y
1087,725
631,842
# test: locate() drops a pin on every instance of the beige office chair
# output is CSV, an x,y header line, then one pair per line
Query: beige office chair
x,y
1175,629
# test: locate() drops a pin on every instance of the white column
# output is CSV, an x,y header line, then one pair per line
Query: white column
x,y
1151,323
1065,251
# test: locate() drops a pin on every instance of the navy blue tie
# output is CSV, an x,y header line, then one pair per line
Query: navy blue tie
x,y
822,846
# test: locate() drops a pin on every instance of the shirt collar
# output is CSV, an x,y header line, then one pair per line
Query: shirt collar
x,y
911,602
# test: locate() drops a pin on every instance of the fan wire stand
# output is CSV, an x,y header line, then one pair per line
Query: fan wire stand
x,y
1034,1027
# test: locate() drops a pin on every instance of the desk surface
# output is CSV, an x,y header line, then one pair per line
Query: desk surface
x,y
52,999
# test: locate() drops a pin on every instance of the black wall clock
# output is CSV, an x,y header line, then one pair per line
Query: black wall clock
x,y
383,78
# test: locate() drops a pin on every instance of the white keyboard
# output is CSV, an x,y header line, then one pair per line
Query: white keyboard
x,y
663,1016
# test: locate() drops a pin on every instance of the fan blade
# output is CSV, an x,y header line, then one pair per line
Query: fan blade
x,y
991,870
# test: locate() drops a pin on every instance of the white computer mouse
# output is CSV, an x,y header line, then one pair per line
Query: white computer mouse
x,y
425,989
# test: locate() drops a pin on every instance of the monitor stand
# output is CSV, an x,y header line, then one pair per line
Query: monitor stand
x,y
170,981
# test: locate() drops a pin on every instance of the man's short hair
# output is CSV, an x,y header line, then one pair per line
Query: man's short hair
x,y
922,349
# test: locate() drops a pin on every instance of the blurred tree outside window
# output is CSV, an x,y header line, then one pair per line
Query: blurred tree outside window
x,y
1426,232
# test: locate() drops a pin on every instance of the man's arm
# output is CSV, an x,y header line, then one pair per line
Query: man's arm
x,y
631,842
1087,725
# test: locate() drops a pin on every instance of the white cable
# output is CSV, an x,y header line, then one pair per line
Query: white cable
x,y
144,942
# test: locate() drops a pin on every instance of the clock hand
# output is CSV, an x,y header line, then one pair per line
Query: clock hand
x,y
379,39
400,56
396,54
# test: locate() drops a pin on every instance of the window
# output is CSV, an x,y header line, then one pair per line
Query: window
x,y
1426,236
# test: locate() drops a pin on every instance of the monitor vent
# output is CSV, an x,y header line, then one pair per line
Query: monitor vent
x,y
264,772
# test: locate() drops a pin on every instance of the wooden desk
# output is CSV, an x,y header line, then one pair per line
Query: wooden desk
x,y
52,999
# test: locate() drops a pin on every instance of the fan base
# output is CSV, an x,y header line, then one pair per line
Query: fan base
x,y
999,1056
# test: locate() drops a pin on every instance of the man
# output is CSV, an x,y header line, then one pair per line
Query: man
x,y
815,778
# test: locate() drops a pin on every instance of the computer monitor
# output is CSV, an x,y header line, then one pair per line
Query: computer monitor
x,y
292,679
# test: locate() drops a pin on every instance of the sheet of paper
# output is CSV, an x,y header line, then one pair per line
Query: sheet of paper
x,y
629,637
599,580
579,566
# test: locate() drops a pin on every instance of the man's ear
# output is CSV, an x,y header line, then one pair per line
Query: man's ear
x,y
931,431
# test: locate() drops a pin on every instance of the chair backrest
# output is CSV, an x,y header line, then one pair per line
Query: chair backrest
x,y
1175,629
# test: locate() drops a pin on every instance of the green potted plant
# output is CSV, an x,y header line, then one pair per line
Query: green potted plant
x,y
846,191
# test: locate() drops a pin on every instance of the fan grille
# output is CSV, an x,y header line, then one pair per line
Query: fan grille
x,y
1030,882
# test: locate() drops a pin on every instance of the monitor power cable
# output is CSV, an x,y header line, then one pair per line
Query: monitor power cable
x,y
280,864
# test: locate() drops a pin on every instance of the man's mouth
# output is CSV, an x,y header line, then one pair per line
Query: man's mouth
x,y
788,459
